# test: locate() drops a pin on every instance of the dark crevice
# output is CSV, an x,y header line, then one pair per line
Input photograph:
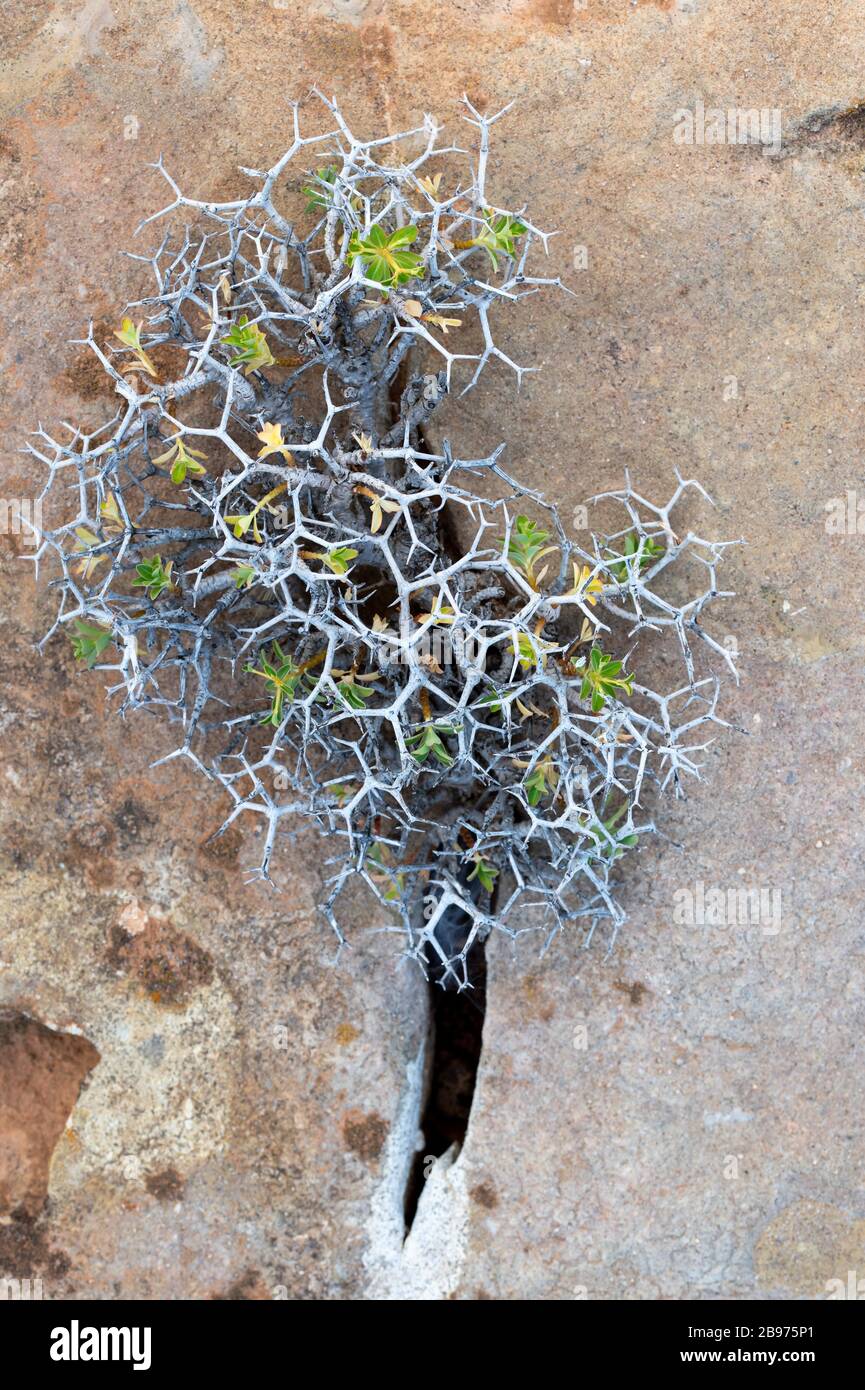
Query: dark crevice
x,y
456,1040
456,1015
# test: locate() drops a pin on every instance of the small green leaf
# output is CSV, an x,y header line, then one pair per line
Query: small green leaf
x,y
153,576
240,524
493,700
89,641
281,675
319,192
527,545
601,680
484,872
337,560
243,576
542,779
498,235
181,460
342,791
535,785
530,651
610,844
382,256
130,336
252,347
354,694
428,741
649,551
391,881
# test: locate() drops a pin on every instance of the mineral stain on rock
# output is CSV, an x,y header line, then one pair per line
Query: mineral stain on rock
x,y
538,1005
222,849
364,1135
168,964
84,373
88,850
635,991
25,1245
165,1186
558,14
485,1195
41,1075
133,821
807,1248
248,1288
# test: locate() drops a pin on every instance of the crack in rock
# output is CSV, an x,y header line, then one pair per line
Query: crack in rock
x,y
427,1263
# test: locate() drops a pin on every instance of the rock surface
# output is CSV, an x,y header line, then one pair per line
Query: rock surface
x,y
679,1119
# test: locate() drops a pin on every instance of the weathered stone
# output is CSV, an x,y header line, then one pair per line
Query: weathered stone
x,y
251,1134
41,1074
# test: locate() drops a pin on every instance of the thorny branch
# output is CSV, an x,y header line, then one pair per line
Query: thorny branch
x,y
449,712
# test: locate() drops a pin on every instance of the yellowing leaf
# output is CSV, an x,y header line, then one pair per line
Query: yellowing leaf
x,y
432,184
240,523
337,559
530,651
584,587
253,349
379,505
110,513
181,460
527,710
130,336
271,438
441,322
87,539
441,615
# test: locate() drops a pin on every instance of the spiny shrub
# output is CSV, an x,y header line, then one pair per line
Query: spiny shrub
x,y
348,625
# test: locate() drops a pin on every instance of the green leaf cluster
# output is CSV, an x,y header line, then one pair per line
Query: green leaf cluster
x,y
601,679
384,256
89,641
153,576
